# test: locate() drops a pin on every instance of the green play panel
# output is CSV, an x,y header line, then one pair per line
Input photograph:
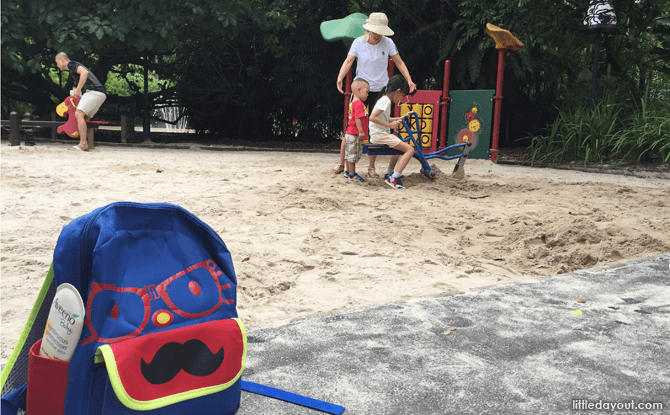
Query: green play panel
x,y
470,118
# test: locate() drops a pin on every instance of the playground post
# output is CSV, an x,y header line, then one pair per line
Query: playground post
x,y
504,41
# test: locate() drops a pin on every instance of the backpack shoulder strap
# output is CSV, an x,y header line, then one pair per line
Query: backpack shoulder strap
x,y
292,397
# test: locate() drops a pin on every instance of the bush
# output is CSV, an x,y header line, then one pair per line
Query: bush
x,y
579,133
647,130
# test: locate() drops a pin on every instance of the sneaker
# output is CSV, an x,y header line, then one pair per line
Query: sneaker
x,y
394,183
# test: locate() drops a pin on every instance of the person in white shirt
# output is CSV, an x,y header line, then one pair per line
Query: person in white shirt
x,y
373,51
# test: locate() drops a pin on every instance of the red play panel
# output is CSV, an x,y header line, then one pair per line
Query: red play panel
x,y
426,104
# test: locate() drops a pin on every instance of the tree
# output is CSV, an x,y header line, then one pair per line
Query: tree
x,y
554,67
102,34
644,44
249,68
257,85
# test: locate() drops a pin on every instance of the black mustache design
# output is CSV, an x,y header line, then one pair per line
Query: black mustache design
x,y
193,357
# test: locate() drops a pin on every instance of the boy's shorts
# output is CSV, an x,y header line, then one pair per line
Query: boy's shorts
x,y
353,148
90,102
390,140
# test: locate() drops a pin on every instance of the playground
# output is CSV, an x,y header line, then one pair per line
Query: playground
x,y
307,243
492,286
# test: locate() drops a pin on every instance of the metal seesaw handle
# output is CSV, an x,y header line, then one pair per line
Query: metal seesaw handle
x,y
408,129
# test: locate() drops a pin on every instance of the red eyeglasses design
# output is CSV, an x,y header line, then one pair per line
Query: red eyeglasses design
x,y
192,293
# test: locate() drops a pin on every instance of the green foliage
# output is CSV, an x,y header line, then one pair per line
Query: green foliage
x,y
248,68
11,105
255,88
127,80
645,131
605,134
553,69
635,62
103,34
644,44
580,133
547,28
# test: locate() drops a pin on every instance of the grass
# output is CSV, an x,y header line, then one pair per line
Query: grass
x,y
646,130
605,134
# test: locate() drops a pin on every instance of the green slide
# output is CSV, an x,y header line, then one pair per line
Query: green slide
x,y
346,29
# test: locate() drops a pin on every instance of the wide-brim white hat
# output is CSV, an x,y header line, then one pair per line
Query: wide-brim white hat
x,y
378,23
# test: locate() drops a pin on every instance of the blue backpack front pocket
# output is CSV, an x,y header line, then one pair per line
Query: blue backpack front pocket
x,y
193,369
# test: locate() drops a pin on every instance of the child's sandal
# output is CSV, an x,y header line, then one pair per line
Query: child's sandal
x,y
338,169
355,177
372,173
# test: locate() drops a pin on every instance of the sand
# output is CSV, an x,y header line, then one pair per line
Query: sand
x,y
305,242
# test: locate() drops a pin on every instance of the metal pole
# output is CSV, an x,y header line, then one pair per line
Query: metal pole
x,y
594,76
498,105
444,104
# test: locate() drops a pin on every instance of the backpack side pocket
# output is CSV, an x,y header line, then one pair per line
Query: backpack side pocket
x,y
47,382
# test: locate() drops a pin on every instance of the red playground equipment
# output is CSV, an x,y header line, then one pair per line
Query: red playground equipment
x,y
504,41
67,109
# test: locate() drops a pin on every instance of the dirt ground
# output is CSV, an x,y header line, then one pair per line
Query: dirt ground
x,y
307,242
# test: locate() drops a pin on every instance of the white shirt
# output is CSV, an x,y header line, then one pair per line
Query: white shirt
x,y
384,104
373,61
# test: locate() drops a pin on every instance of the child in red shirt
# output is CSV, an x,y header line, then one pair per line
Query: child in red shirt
x,y
357,128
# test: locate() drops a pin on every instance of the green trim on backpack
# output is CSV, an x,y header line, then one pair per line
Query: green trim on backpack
x,y
28,326
105,353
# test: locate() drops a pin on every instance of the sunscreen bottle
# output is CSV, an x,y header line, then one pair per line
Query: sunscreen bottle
x,y
66,320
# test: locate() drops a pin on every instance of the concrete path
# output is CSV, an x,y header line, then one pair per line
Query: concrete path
x,y
517,349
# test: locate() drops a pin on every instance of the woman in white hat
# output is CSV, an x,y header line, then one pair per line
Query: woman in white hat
x,y
373,51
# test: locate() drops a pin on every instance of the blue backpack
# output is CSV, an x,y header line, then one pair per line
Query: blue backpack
x,y
161,333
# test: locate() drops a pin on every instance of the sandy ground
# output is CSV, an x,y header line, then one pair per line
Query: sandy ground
x,y
317,243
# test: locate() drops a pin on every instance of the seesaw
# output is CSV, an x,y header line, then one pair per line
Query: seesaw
x,y
468,144
65,109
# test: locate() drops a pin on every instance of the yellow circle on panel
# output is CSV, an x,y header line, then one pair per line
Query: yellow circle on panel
x,y
474,126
